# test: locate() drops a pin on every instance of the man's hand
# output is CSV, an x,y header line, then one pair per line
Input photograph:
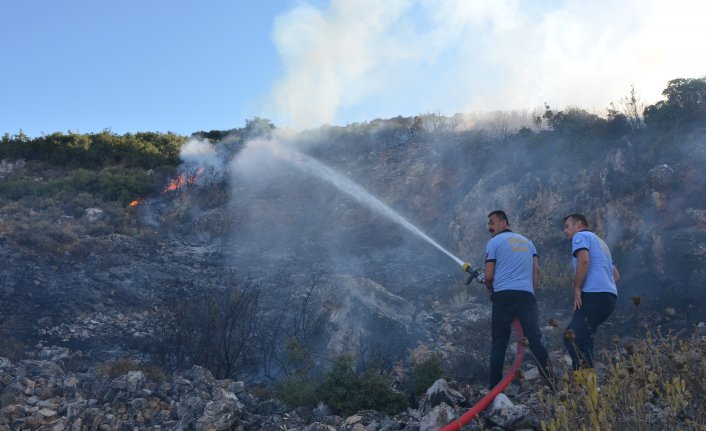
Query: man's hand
x,y
480,277
577,300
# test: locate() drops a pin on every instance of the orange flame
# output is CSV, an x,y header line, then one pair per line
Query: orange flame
x,y
183,180
136,202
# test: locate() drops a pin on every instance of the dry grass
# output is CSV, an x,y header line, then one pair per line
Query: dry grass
x,y
656,383
122,366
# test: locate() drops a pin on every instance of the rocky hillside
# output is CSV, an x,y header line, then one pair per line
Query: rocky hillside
x,y
281,226
260,267
44,394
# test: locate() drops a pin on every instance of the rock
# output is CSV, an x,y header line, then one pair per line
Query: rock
x,y
670,312
181,385
202,377
236,387
388,424
270,407
352,420
701,328
661,177
697,216
5,363
190,407
33,368
218,415
532,373
505,414
71,381
12,412
135,381
93,214
318,426
363,309
441,392
47,413
74,409
54,353
437,418
321,411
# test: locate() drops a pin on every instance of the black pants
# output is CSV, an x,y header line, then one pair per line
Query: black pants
x,y
595,309
508,305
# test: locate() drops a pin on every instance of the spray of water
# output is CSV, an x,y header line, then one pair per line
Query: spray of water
x,y
343,183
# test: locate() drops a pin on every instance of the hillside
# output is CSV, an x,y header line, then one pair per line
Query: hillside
x,y
246,259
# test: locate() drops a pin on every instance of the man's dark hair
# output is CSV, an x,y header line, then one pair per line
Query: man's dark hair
x,y
577,217
501,215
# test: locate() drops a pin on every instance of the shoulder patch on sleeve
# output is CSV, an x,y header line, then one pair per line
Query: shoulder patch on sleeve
x,y
577,240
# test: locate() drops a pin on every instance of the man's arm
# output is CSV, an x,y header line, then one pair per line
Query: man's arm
x,y
489,274
616,274
581,271
535,274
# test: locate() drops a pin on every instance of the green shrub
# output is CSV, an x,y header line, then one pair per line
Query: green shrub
x,y
375,393
340,385
346,392
97,150
298,391
121,185
342,389
56,226
425,374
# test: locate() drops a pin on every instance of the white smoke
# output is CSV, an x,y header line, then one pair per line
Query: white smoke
x,y
334,57
201,152
356,60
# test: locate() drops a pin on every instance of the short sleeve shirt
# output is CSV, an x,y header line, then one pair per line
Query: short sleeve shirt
x,y
513,255
600,268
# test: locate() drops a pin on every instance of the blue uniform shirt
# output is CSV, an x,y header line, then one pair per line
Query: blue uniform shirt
x,y
600,268
513,255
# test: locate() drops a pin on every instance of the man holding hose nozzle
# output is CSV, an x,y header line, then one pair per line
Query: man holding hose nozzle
x,y
511,276
595,290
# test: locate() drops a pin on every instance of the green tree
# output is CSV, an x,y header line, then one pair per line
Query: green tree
x,y
685,103
574,121
258,127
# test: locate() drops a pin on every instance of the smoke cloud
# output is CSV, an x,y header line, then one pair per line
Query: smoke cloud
x,y
348,60
202,153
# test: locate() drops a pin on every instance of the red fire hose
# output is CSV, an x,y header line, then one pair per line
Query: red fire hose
x,y
486,400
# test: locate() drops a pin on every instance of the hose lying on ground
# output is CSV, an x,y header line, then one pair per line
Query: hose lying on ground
x,y
486,400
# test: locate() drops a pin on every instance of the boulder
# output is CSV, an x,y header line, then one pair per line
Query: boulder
x,y
437,418
441,392
218,415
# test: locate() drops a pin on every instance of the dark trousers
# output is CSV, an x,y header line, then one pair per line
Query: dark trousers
x,y
595,309
508,305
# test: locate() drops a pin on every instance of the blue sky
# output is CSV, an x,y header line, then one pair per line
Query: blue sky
x,y
184,66
134,66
